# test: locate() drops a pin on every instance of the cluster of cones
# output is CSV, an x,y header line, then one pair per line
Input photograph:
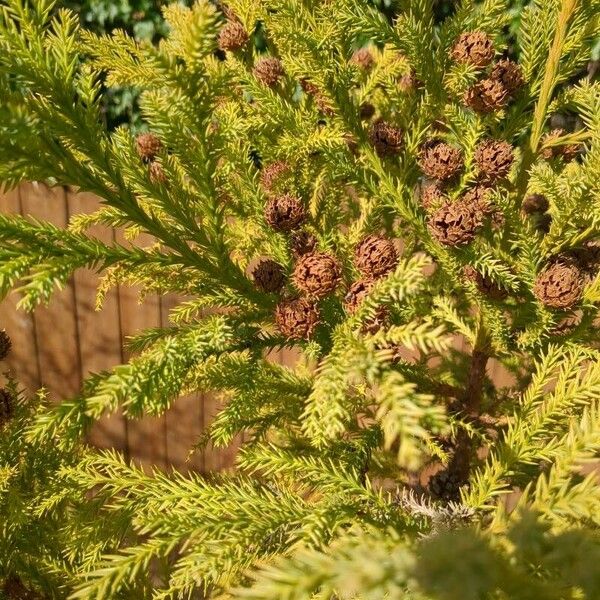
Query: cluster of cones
x,y
316,274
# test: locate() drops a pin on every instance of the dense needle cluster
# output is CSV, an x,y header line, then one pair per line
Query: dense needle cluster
x,y
378,227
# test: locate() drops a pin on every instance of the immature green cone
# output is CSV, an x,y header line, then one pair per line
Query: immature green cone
x,y
317,274
5,345
297,319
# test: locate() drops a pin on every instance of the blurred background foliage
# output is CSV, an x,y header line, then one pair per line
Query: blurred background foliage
x,y
143,19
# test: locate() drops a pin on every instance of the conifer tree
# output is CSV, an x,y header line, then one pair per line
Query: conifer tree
x,y
368,190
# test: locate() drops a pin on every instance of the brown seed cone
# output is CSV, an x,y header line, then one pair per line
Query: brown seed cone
x,y
354,298
543,223
285,213
440,160
157,173
268,276
535,203
317,274
358,291
324,104
494,159
479,197
268,71
5,345
432,196
274,175
567,152
386,139
560,284
6,406
308,87
301,243
445,485
233,36
409,82
363,58
455,223
297,319
375,256
366,111
508,73
486,96
148,146
567,325
484,284
475,48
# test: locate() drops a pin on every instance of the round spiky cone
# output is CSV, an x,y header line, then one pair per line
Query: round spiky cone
x,y
386,139
268,276
487,96
148,146
317,274
535,203
440,160
233,36
475,48
494,159
285,213
375,256
302,242
269,71
484,284
455,223
560,284
363,58
509,73
432,196
297,319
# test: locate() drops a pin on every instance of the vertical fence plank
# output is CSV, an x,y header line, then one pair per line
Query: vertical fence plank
x,y
56,324
146,436
99,331
23,360
184,418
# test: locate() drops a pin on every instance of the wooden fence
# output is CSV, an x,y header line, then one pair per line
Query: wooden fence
x,y
59,345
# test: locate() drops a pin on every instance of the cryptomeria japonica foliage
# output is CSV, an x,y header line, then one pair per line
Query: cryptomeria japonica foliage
x,y
404,202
